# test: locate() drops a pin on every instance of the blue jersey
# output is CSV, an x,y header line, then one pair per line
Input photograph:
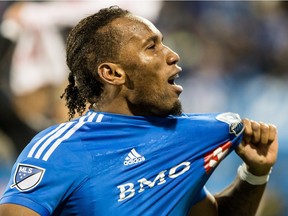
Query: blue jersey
x,y
110,164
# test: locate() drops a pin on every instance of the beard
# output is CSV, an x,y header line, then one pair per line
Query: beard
x,y
156,108
176,109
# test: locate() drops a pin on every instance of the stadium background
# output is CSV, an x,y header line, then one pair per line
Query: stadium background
x,y
233,55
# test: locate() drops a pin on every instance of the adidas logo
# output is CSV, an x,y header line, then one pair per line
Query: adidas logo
x,y
133,158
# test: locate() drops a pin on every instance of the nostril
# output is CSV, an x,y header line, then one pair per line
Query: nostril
x,y
173,58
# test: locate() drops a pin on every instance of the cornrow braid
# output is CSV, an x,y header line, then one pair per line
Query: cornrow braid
x,y
91,42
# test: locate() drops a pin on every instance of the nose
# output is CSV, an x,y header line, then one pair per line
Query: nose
x,y
172,57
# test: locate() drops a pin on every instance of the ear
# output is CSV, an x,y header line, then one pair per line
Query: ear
x,y
111,73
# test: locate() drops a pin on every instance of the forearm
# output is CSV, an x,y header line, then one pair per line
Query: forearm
x,y
258,150
240,198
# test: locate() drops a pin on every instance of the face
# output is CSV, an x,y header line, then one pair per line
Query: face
x,y
150,68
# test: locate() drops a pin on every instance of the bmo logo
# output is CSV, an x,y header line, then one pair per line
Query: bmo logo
x,y
128,190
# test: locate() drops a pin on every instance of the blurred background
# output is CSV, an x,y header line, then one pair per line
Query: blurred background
x,y
233,55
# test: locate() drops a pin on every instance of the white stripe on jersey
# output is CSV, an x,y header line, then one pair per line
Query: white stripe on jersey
x,y
32,150
58,142
66,136
59,131
90,119
52,138
99,118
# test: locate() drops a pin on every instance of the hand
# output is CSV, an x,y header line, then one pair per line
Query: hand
x,y
259,147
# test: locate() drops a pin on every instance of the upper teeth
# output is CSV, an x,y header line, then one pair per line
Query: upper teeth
x,y
171,80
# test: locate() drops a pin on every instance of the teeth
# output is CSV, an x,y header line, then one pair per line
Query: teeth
x,y
171,80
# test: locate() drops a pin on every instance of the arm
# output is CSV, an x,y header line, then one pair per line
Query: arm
x,y
240,198
258,150
16,210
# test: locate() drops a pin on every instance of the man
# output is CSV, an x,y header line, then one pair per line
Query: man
x,y
135,152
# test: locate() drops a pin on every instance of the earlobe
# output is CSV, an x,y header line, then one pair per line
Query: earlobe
x,y
111,73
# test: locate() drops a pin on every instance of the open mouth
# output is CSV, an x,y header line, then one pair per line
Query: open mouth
x,y
171,80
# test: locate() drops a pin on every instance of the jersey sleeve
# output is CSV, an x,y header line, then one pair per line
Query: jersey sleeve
x,y
43,185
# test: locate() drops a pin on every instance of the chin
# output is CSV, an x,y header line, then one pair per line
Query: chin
x,y
175,110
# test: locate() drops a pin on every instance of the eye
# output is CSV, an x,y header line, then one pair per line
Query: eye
x,y
152,46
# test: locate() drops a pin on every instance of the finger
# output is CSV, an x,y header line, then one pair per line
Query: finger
x,y
264,128
272,133
256,132
247,130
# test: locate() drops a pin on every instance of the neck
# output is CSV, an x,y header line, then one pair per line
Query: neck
x,y
116,106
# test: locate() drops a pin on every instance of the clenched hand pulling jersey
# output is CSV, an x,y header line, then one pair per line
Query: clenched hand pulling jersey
x,y
110,164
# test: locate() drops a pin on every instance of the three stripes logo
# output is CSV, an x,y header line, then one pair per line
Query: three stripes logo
x,y
45,146
133,158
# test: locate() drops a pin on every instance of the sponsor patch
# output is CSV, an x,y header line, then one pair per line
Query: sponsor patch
x,y
27,177
214,157
233,120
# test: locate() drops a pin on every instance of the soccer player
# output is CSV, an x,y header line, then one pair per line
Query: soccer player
x,y
134,152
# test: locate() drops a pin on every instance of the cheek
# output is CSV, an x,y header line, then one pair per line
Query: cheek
x,y
144,72
150,81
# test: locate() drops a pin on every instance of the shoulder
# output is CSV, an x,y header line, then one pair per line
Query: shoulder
x,y
225,119
53,152
53,163
58,144
53,141
65,137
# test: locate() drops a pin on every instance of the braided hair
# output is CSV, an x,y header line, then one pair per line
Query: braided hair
x,y
91,42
